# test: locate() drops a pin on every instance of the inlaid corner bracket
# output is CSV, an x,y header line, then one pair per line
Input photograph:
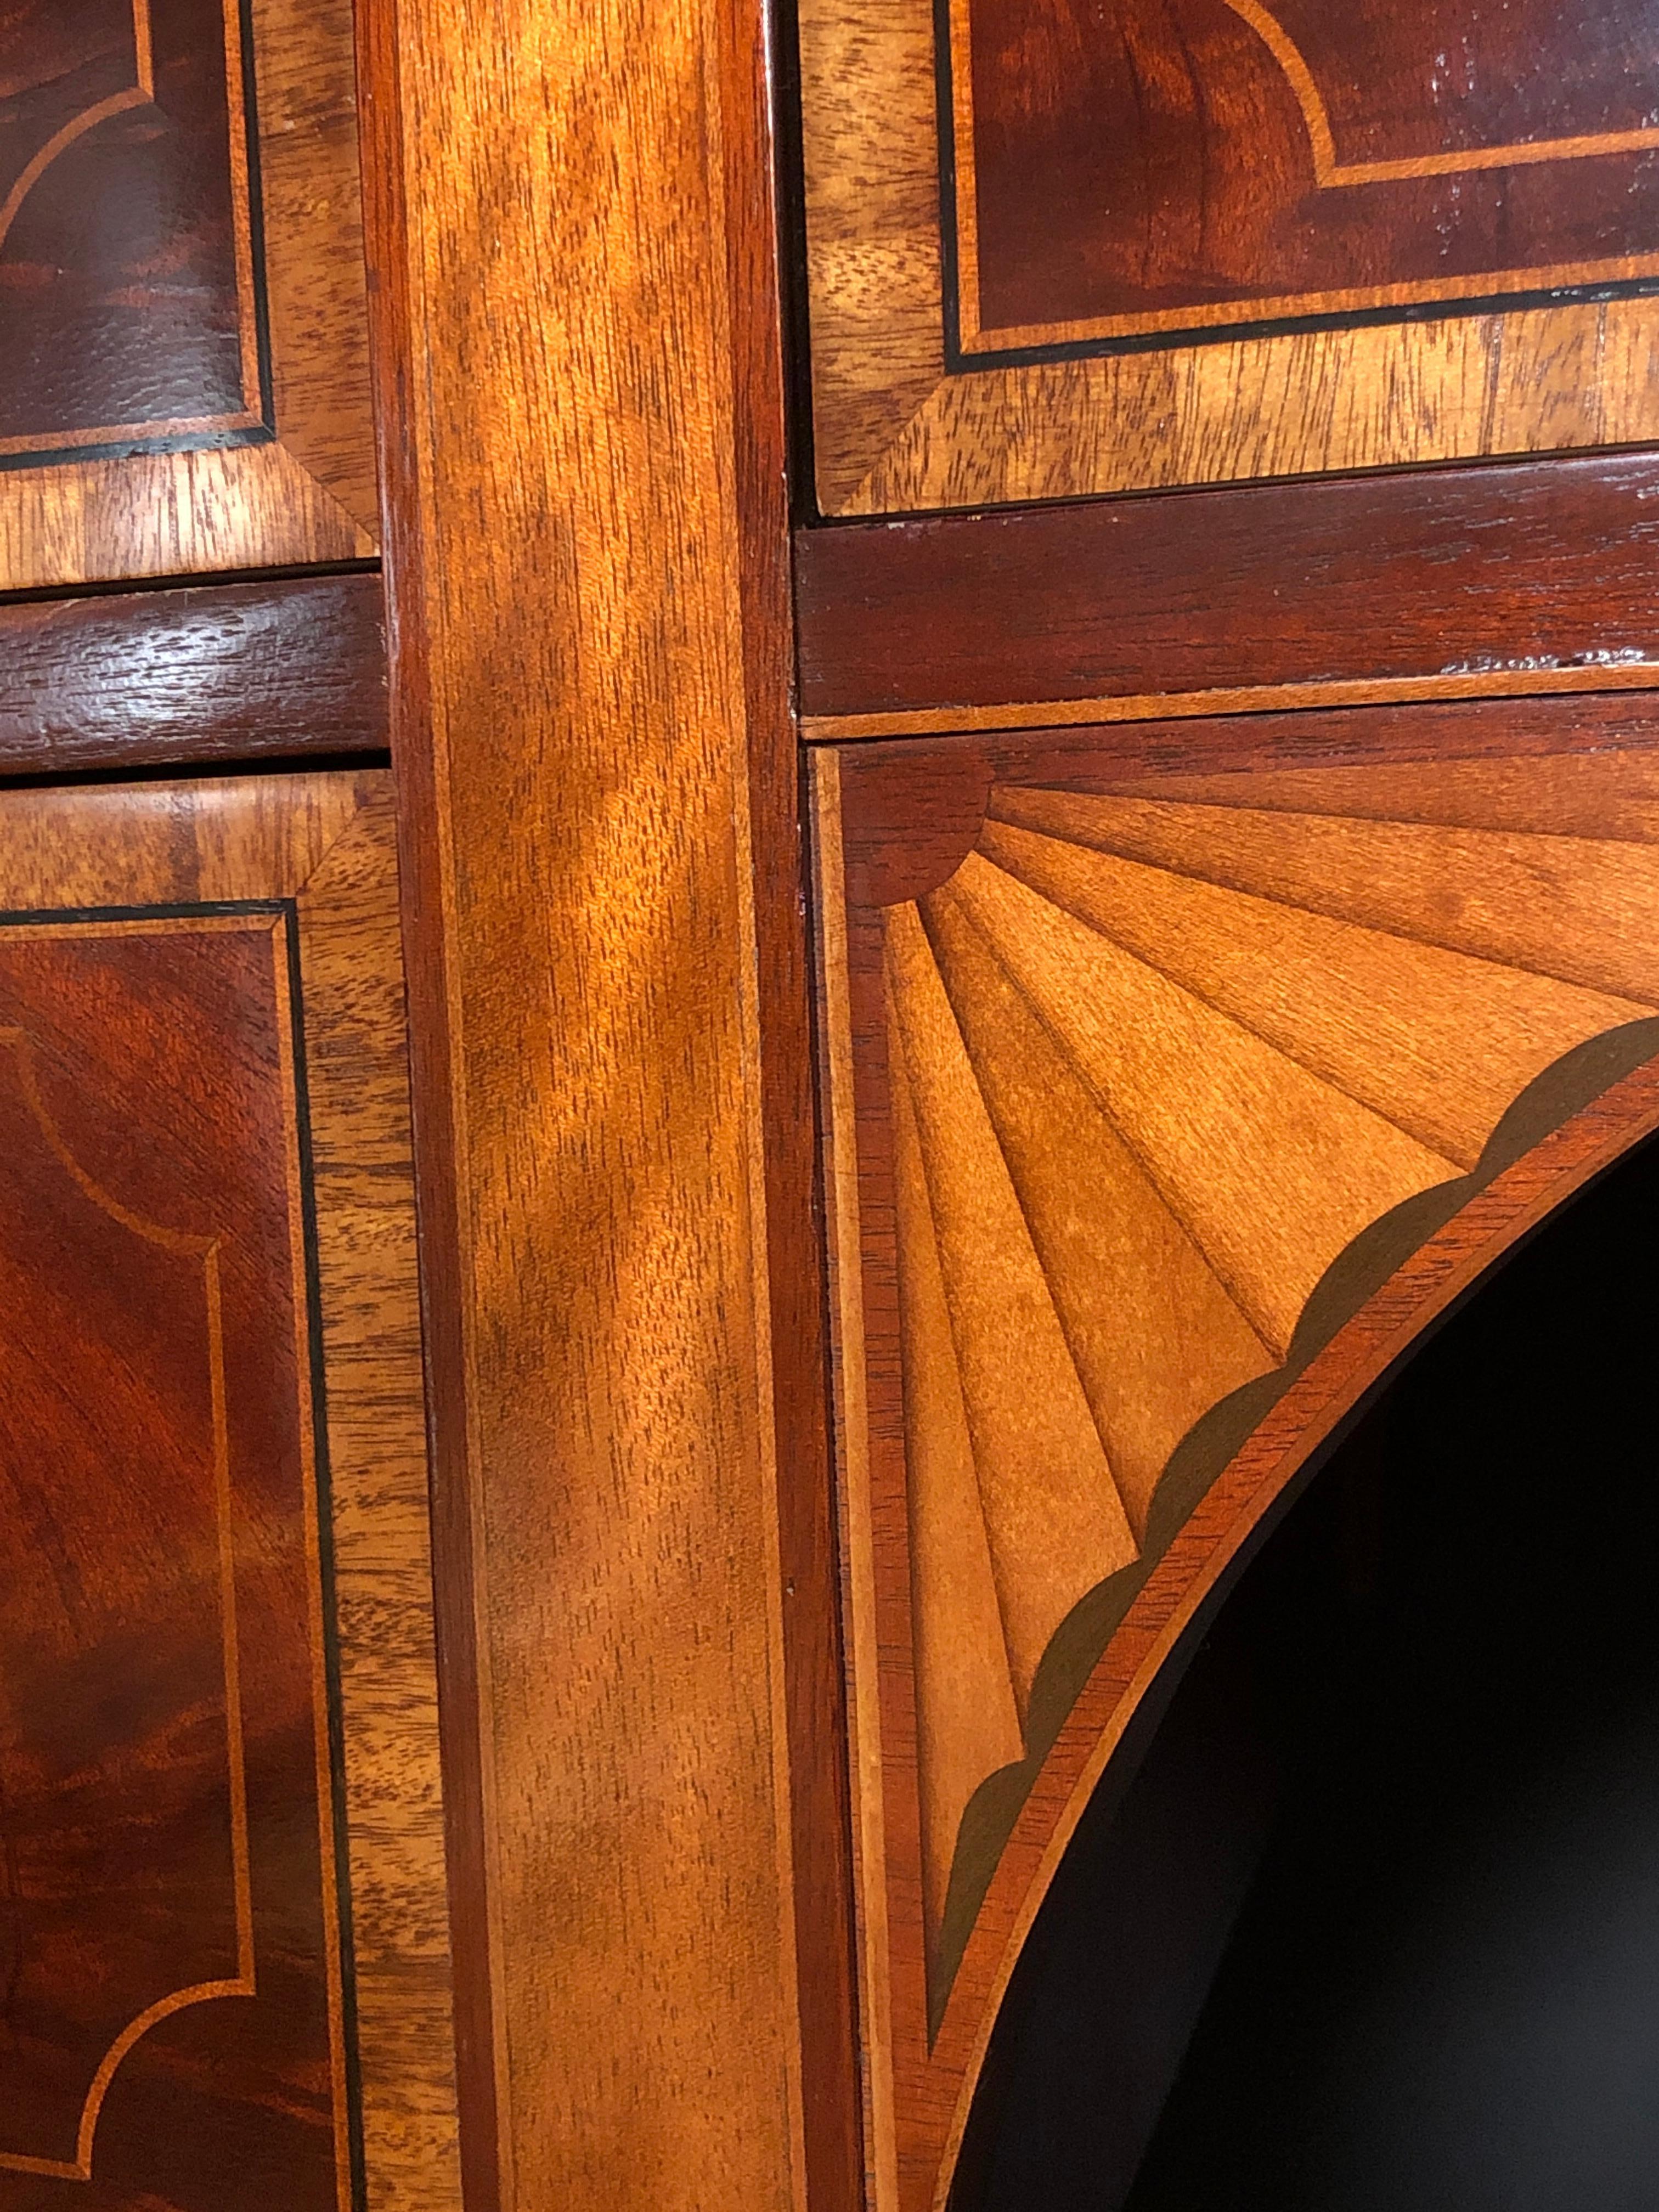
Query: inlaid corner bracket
x,y
1141,1093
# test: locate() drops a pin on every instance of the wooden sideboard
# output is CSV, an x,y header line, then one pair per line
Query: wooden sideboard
x,y
806,814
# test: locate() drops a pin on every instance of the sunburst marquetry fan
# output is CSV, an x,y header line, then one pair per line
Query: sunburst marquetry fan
x,y
1158,1058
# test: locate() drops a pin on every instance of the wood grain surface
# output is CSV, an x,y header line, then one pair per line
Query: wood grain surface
x,y
1286,166
127,232
820,1811
305,495
585,720
1498,579
214,674
901,426
197,1126
1149,1081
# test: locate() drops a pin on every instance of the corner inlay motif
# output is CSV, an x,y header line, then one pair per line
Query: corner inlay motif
x,y
30,167
206,1251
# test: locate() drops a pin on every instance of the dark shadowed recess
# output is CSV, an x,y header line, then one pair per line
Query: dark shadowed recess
x,y
1375,1926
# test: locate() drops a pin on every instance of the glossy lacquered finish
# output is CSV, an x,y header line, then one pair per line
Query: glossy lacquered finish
x,y
226,1976
1504,578
226,673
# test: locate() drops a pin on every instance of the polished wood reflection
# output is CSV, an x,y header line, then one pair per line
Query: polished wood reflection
x,y
1152,1082
1132,172
223,1939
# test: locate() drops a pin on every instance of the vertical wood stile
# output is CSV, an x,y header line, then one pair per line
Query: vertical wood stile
x,y
581,438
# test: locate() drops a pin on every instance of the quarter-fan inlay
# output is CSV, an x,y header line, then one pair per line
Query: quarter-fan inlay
x,y
1171,1067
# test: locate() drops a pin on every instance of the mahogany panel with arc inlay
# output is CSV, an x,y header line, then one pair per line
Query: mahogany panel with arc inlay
x,y
1134,173
223,1951
1057,247
1168,1097
133,292
183,328
167,1829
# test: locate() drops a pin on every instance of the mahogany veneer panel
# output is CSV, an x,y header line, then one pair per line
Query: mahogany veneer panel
x,y
223,1912
1290,164
1176,1075
183,380
1218,238
1433,584
143,329
221,673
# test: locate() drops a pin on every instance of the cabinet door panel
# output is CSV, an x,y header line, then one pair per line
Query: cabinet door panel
x,y
224,1928
1178,1076
183,351
1067,246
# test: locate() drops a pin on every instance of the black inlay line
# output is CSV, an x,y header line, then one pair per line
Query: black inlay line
x,y
958,363
286,911
171,910
256,224
127,449
950,244
229,436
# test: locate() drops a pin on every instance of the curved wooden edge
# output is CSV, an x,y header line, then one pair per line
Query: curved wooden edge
x,y
1193,1572
886,858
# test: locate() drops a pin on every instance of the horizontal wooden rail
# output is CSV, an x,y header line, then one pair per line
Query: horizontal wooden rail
x,y
196,675
1439,582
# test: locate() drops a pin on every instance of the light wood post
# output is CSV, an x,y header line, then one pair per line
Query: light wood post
x,y
583,449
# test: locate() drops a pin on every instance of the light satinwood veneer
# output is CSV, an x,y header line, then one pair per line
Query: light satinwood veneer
x,y
1149,1092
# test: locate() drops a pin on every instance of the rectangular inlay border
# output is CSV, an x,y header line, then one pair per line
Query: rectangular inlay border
x,y
283,916
968,346
253,423
905,422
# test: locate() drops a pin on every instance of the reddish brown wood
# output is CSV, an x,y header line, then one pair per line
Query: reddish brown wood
x,y
388,246
162,1717
1510,568
233,673
127,234
910,812
1153,170
819,1815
